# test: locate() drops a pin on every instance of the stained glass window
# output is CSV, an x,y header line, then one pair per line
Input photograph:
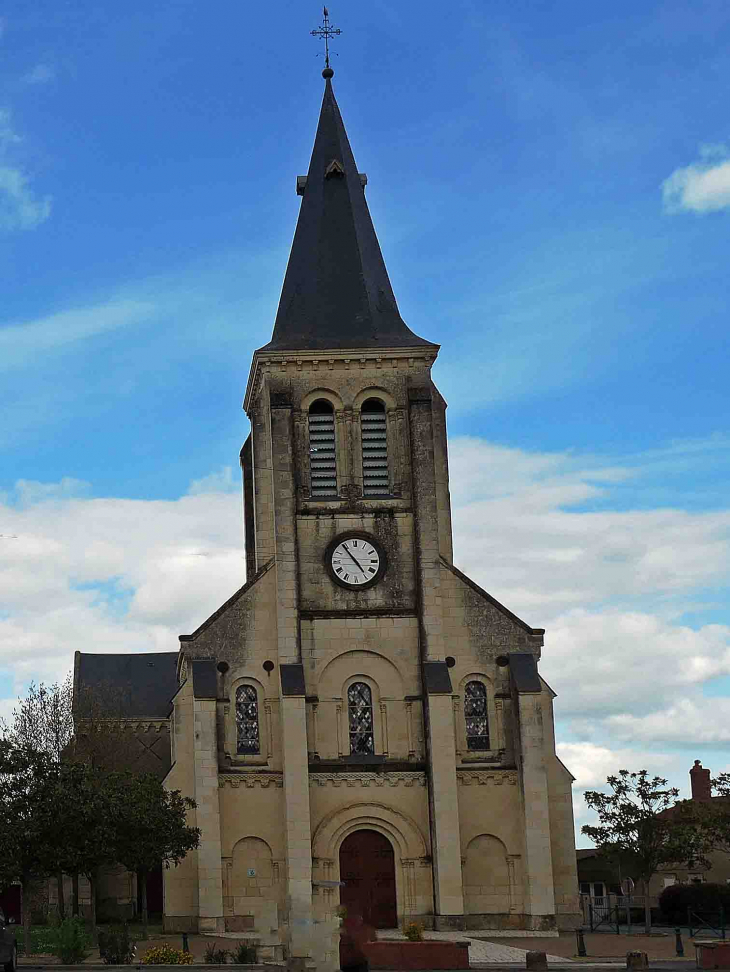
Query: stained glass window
x,y
475,714
247,720
360,715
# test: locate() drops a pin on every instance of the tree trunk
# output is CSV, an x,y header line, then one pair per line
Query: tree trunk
x,y
25,912
75,892
92,893
647,907
142,876
61,899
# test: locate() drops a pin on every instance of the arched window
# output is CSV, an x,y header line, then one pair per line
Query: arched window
x,y
475,714
360,718
247,721
373,424
322,452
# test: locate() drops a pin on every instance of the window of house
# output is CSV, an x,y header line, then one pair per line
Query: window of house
x,y
374,430
475,714
247,721
360,718
322,449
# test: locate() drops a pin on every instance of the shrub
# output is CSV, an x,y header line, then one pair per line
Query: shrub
x,y
705,900
413,931
245,954
71,941
215,956
166,955
42,941
116,947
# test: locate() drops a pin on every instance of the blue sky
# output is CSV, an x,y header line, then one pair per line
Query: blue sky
x,y
551,188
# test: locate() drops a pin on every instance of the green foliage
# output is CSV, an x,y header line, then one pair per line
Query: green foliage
x,y
42,941
72,941
642,827
116,946
215,956
635,828
166,955
149,826
413,931
43,720
245,954
705,900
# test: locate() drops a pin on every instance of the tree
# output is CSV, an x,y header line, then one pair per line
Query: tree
x,y
30,814
86,832
43,722
151,828
643,828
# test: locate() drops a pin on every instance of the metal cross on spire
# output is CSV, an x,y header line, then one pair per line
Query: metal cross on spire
x,y
326,31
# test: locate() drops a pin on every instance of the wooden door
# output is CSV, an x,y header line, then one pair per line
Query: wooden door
x,y
367,866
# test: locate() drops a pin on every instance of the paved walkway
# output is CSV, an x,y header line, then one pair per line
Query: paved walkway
x,y
480,952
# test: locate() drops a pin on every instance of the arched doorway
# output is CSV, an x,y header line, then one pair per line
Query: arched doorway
x,y
367,867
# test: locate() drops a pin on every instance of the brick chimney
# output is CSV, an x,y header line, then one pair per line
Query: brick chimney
x,y
700,781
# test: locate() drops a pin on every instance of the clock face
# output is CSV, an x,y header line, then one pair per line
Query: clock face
x,y
355,562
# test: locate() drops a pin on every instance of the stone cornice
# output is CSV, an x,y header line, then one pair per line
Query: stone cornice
x,y
296,361
251,780
367,779
86,727
486,777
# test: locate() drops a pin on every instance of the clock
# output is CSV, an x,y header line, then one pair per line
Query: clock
x,y
355,561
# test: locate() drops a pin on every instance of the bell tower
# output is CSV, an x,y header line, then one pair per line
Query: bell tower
x,y
348,472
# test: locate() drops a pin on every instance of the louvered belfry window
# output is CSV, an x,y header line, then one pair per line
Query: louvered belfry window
x,y
322,450
247,721
360,717
475,714
373,422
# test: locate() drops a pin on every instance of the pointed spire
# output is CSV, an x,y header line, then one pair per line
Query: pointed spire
x,y
336,291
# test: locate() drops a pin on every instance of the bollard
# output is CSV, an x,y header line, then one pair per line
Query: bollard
x,y
678,941
637,960
536,961
186,947
581,943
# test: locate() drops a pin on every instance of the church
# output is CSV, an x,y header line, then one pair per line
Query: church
x,y
362,727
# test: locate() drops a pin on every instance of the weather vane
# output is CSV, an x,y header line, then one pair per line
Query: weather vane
x,y
327,31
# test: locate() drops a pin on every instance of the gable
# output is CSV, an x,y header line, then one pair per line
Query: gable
x,y
243,626
489,627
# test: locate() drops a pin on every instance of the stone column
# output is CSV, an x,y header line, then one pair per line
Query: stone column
x,y
210,870
538,869
441,741
298,833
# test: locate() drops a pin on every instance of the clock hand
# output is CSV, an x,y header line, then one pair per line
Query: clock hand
x,y
353,559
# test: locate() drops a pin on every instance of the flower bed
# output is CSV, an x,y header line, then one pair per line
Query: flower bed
x,y
417,955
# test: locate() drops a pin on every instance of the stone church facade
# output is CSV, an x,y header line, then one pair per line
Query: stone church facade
x,y
360,724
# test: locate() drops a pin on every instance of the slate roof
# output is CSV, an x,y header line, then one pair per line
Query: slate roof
x,y
336,292
138,686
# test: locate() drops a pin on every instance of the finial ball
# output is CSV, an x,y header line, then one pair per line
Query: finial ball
x,y
328,73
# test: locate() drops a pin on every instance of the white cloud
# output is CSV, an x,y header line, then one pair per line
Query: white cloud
x,y
519,535
591,764
20,207
702,187
40,74
110,574
22,342
113,574
217,482
686,718
8,136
